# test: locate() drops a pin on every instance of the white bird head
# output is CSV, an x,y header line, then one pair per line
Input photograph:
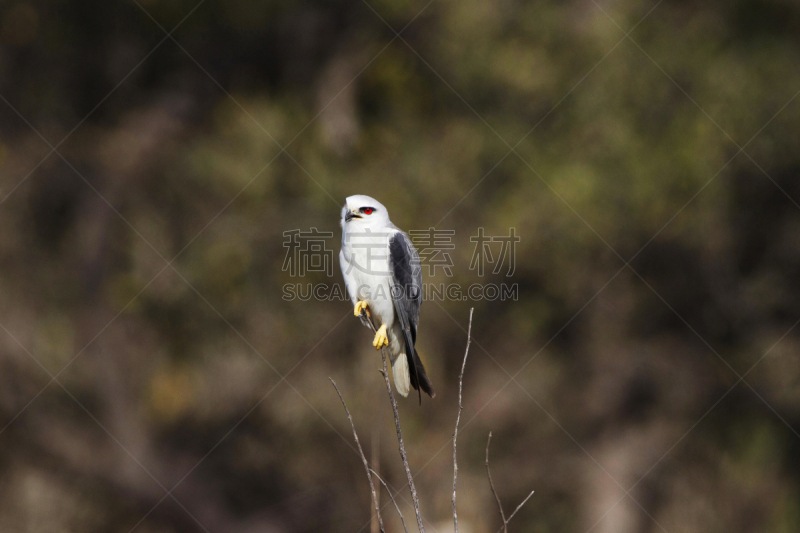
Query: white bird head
x,y
362,212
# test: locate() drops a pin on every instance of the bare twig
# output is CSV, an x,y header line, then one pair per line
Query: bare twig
x,y
523,502
363,458
458,419
375,461
403,456
402,519
504,527
491,484
410,478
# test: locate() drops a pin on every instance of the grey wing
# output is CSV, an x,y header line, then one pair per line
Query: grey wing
x,y
407,283
407,296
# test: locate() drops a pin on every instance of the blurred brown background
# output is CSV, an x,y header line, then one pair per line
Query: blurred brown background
x,y
142,261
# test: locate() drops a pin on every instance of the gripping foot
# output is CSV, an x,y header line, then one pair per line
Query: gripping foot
x,y
361,305
380,338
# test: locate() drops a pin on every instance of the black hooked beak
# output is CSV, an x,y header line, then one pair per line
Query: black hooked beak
x,y
350,216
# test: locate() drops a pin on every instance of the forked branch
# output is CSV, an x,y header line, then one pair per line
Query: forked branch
x,y
504,528
363,458
402,519
403,456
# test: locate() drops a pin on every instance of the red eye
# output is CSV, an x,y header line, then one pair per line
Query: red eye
x,y
367,210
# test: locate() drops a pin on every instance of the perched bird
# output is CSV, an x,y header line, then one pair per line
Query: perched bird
x,y
383,277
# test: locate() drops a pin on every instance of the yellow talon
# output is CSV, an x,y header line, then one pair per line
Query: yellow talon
x,y
361,305
380,338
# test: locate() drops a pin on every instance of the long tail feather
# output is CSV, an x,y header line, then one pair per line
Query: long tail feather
x,y
419,378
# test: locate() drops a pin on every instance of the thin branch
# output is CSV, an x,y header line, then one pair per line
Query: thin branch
x,y
375,461
515,512
385,373
458,418
363,458
519,507
403,456
402,519
491,484
504,527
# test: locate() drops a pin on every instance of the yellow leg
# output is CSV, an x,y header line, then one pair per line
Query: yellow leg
x,y
380,338
361,305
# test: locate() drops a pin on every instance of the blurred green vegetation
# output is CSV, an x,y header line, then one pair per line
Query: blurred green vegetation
x,y
144,269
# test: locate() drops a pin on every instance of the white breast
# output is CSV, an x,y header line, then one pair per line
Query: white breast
x,y
364,260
